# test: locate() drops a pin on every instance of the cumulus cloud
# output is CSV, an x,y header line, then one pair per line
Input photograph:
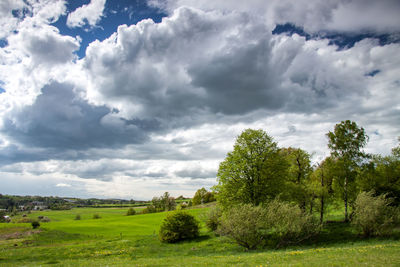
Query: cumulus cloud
x,y
89,14
320,15
156,106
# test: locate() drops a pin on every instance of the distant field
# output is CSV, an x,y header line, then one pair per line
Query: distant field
x,y
119,240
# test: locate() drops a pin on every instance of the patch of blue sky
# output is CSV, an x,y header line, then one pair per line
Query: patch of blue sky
x,y
2,90
341,40
115,13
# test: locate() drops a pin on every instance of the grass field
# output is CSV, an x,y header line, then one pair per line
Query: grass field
x,y
119,240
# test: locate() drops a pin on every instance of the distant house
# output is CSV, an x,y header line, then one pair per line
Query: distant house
x,y
37,205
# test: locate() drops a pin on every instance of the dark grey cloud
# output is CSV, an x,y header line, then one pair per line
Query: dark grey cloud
x,y
60,119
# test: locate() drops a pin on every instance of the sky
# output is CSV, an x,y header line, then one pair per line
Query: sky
x,y
130,99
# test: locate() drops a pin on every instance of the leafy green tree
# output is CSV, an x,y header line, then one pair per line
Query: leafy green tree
x,y
253,172
321,184
203,196
299,176
382,175
346,143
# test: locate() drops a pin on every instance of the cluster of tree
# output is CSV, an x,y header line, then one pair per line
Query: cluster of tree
x,y
162,203
15,203
203,196
258,171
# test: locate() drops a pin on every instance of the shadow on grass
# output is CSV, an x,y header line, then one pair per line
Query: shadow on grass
x,y
339,233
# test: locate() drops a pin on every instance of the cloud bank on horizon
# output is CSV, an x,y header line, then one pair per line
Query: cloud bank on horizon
x,y
131,98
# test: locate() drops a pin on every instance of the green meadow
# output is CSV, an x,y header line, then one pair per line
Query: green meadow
x,y
119,240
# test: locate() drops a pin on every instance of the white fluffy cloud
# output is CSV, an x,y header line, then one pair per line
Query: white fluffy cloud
x,y
332,15
156,106
87,14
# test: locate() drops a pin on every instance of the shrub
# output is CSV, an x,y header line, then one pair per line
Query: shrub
x,y
77,217
35,224
245,224
177,226
131,211
25,220
278,222
149,209
374,215
44,219
96,216
213,218
287,223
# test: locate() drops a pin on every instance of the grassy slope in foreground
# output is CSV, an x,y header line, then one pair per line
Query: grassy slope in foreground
x,y
89,242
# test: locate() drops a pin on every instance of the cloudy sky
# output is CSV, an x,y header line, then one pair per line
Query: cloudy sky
x,y
129,99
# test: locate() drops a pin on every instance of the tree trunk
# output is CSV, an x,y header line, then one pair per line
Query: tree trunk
x,y
346,217
321,217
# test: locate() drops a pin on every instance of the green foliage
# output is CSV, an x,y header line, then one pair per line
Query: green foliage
x,y
287,223
96,216
131,211
202,196
35,224
374,215
213,218
382,174
253,172
299,172
163,203
346,143
178,226
149,209
245,224
277,222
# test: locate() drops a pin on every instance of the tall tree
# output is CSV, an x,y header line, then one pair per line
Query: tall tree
x,y
253,172
321,184
346,143
299,174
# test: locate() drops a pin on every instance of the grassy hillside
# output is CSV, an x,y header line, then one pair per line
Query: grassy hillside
x,y
119,240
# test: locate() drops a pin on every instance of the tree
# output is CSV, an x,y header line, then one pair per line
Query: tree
x,y
203,196
346,143
299,175
253,172
382,175
164,202
321,184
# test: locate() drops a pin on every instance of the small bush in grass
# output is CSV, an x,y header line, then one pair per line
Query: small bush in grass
x,y
245,224
131,211
374,215
178,226
25,220
77,217
35,224
44,219
96,216
149,209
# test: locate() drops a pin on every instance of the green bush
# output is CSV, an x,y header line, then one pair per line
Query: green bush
x,y
96,216
131,211
149,209
374,215
278,222
245,224
35,224
213,218
177,226
25,220
287,223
